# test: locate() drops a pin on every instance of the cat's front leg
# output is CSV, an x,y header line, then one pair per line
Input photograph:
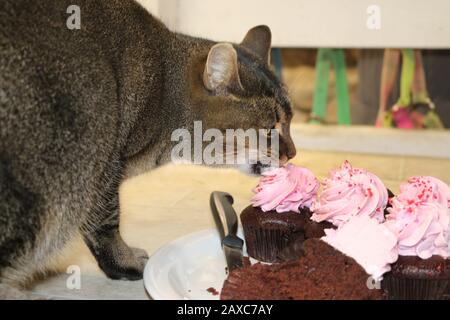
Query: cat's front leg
x,y
113,255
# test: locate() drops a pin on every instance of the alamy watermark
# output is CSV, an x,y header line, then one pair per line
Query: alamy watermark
x,y
373,283
232,147
373,21
73,22
73,281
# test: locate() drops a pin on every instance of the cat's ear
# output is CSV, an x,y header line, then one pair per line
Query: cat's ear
x,y
258,41
221,69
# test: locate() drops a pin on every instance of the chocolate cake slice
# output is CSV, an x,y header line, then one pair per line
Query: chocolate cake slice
x,y
320,273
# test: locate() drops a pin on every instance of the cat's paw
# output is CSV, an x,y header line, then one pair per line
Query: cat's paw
x,y
141,257
128,265
140,254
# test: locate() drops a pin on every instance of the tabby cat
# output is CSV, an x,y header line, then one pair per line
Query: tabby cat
x,y
81,110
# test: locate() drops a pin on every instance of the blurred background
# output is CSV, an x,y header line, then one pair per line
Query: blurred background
x,y
358,28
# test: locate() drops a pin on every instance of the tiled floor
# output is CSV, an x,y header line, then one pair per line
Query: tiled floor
x,y
173,201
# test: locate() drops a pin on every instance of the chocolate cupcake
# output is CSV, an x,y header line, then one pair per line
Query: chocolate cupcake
x,y
280,212
420,217
413,278
268,234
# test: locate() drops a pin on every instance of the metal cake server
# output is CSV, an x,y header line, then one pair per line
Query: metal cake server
x,y
227,224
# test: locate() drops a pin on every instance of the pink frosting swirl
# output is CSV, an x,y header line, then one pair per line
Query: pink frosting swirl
x,y
420,217
350,192
286,189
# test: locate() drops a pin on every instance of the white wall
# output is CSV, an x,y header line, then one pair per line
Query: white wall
x,y
312,23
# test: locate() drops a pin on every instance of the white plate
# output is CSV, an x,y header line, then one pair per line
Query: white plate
x,y
185,268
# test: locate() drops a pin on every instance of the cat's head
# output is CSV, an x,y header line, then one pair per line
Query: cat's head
x,y
238,90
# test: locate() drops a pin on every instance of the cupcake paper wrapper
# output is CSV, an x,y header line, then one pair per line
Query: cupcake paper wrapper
x,y
402,288
267,244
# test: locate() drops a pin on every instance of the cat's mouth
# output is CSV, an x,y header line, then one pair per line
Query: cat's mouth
x,y
256,169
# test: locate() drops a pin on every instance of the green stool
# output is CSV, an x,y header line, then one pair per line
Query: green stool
x,y
326,57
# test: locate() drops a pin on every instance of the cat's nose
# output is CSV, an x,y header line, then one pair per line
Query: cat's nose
x,y
285,157
291,153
